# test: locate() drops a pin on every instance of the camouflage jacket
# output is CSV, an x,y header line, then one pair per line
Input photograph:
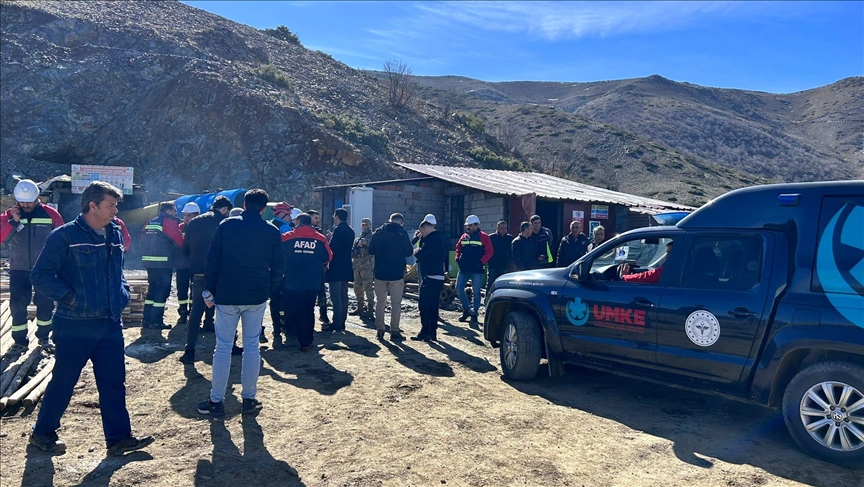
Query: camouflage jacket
x,y
360,254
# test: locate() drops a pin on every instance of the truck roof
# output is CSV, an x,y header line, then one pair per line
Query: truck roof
x,y
768,206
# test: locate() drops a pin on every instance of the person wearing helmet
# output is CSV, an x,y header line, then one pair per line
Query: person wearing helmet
x,y
182,276
473,251
26,227
283,221
160,254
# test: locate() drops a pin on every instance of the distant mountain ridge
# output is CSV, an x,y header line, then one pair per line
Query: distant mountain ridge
x,y
194,101
808,135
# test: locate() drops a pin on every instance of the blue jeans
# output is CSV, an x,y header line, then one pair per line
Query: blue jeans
x,y
227,316
476,281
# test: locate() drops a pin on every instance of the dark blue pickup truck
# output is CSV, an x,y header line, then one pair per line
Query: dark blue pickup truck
x,y
758,295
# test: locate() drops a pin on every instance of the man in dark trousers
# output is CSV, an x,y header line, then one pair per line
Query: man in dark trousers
x,y
182,276
542,238
322,293
196,243
524,256
573,246
390,246
306,253
81,267
501,260
245,265
26,227
432,257
340,271
160,254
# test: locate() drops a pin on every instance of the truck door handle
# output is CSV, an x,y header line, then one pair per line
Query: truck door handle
x,y
742,313
643,303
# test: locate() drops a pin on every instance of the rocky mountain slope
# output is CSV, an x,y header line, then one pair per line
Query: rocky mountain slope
x,y
809,135
194,101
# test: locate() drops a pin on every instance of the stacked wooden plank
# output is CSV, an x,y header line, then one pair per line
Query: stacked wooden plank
x,y
134,312
23,378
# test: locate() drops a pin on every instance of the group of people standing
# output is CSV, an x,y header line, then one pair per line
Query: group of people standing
x,y
234,261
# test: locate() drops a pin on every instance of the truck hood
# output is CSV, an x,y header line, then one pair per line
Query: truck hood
x,y
531,279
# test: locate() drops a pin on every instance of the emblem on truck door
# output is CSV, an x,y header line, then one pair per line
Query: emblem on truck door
x,y
577,312
702,328
839,292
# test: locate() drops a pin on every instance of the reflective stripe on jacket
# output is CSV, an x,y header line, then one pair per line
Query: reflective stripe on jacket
x,y
161,243
27,236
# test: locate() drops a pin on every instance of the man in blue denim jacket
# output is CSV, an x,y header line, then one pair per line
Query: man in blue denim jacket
x,y
81,267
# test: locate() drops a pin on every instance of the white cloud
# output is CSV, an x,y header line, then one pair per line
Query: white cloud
x,y
569,20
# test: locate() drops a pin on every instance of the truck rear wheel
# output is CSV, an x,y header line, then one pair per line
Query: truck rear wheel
x,y
823,408
521,343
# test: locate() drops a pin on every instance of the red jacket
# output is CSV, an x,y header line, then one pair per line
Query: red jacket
x,y
127,239
469,256
27,237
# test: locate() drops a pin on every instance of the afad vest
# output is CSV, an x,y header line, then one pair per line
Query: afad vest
x,y
158,251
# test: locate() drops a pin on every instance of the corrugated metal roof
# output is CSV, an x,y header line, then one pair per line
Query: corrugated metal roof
x,y
373,183
514,183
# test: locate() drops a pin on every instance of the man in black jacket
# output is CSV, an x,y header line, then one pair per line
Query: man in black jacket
x,y
524,255
306,253
501,260
542,238
341,270
390,245
573,246
245,265
432,257
196,243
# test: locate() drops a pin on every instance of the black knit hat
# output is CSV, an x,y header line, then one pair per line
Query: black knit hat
x,y
222,202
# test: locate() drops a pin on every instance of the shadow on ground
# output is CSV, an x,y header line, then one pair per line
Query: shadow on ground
x,y
701,427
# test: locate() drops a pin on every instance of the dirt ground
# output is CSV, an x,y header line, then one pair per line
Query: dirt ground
x,y
361,412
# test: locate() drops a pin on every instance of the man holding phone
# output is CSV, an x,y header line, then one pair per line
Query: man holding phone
x,y
26,227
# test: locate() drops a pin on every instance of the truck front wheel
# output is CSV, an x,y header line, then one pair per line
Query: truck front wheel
x,y
823,408
521,343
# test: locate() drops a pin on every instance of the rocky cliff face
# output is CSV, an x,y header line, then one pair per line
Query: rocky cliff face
x,y
189,99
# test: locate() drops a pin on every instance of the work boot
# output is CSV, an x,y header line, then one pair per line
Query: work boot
x,y
155,326
49,443
357,312
322,317
474,320
208,327
188,357
130,443
262,338
396,336
47,345
465,316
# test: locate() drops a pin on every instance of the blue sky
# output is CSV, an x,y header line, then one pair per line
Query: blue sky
x,y
779,47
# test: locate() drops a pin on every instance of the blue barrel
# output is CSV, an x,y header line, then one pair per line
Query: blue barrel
x,y
236,196
189,198
206,201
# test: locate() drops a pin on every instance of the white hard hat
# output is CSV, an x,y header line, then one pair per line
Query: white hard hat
x,y
295,213
26,191
431,219
191,207
472,219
